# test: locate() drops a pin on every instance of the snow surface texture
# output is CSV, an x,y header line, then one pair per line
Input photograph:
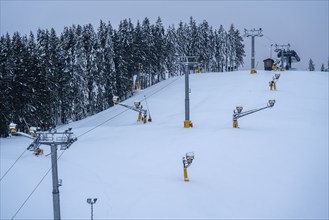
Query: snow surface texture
x,y
275,166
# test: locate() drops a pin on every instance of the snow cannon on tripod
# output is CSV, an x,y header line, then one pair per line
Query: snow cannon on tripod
x,y
187,161
142,113
272,83
237,113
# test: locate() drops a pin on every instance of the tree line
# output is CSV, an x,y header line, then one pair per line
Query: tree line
x,y
49,79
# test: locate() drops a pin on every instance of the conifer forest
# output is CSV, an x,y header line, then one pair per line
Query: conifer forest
x,y
50,78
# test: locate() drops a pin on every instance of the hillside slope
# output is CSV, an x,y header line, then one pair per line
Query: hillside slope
x,y
275,166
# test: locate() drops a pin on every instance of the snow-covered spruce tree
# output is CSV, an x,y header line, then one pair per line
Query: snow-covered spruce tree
x,y
311,66
322,68
171,60
239,49
22,82
105,66
139,48
56,68
87,47
46,88
187,40
159,51
147,42
220,49
122,80
81,105
231,48
66,80
206,44
5,84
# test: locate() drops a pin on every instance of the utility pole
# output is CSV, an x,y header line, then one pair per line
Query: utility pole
x,y
253,33
54,139
187,61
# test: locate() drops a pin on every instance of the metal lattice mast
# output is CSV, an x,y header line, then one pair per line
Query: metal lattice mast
x,y
253,33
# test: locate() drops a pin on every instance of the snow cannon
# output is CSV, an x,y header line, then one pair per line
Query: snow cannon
x,y
116,100
237,113
12,128
272,83
142,113
137,104
187,161
33,131
277,75
271,103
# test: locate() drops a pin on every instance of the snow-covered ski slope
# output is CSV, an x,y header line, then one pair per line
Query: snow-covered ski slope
x,y
275,166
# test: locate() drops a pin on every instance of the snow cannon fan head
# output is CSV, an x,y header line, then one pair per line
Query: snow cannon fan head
x,y
189,157
12,127
271,103
116,100
239,109
277,75
137,104
91,201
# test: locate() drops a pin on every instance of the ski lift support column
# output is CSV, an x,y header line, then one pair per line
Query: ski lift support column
x,y
253,33
187,61
54,139
282,49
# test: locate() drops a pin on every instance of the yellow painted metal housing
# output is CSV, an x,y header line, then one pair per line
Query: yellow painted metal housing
x,y
185,175
253,71
187,124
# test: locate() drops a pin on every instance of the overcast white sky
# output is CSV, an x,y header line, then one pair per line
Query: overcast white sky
x,y
303,24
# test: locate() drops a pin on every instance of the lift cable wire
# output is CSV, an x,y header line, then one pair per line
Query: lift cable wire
x,y
12,165
36,187
269,38
102,123
127,109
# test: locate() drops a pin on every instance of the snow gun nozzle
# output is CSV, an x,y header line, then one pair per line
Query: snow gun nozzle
x,y
116,100
239,109
271,103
